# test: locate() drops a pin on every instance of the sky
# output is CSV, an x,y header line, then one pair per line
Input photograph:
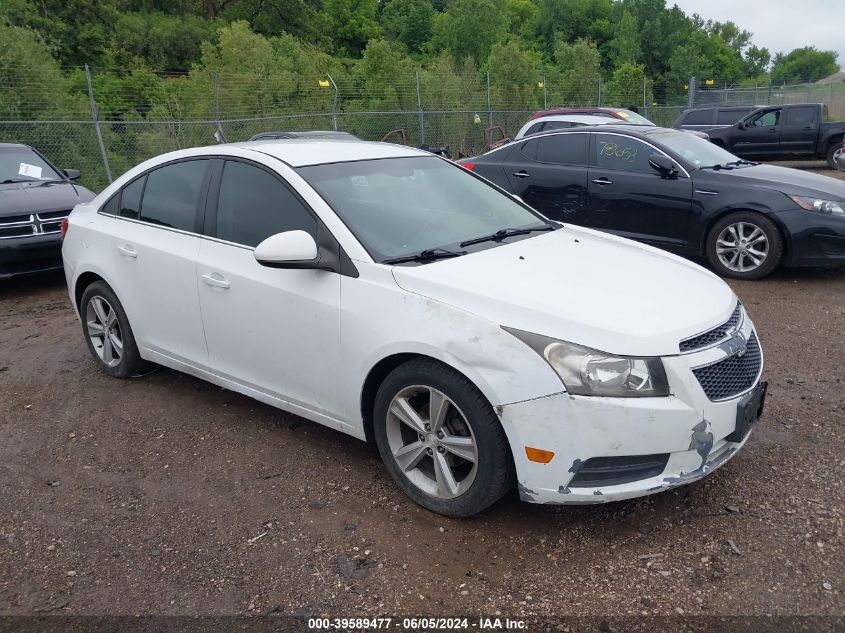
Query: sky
x,y
780,25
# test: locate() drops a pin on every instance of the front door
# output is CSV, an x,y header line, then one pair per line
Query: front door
x,y
270,329
629,198
760,135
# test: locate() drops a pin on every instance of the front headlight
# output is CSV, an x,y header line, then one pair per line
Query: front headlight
x,y
816,204
589,372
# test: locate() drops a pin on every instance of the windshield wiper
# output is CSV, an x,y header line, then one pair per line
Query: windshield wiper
x,y
498,236
742,161
428,255
717,167
9,181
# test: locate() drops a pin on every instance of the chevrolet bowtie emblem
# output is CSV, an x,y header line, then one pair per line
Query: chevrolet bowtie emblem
x,y
736,345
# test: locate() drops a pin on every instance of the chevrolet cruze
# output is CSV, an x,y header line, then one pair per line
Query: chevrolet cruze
x,y
400,298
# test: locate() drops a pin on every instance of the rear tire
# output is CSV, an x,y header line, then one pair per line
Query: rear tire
x,y
457,463
832,153
108,333
744,245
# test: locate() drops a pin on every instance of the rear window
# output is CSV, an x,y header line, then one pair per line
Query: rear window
x,y
698,117
172,194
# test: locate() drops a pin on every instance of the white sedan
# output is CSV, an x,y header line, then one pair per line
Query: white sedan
x,y
552,122
399,298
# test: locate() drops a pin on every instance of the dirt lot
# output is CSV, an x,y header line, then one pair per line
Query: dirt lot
x,y
166,495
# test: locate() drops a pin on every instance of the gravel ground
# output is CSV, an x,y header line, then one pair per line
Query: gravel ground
x,y
166,495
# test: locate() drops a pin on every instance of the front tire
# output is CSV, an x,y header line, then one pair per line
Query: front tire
x,y
108,333
744,245
440,439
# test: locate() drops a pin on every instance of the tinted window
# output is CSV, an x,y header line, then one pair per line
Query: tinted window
x,y
130,198
698,117
563,149
254,204
804,115
623,153
172,194
534,129
557,125
729,117
112,207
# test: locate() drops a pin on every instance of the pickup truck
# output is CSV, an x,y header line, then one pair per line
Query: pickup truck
x,y
796,131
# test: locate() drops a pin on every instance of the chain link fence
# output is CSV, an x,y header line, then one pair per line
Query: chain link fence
x,y
103,123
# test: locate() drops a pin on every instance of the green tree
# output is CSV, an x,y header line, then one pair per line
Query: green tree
x,y
385,76
803,64
408,21
577,73
757,61
629,86
348,25
514,73
469,28
625,47
521,18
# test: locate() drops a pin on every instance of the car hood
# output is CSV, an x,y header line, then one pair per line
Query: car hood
x,y
581,286
791,181
17,199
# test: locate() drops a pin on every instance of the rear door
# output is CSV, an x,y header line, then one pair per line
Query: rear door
x,y
761,135
155,239
629,198
799,130
550,174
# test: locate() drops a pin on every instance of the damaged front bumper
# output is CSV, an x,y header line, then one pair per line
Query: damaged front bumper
x,y
609,449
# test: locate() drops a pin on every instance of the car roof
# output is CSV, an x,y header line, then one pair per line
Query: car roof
x,y
303,134
577,118
15,145
300,152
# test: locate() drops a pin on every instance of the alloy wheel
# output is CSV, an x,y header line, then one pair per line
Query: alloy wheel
x,y
742,247
104,330
432,442
836,156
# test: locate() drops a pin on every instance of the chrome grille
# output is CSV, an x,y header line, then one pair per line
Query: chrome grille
x,y
711,337
733,375
32,224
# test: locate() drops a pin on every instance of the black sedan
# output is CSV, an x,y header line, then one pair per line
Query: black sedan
x,y
676,192
34,199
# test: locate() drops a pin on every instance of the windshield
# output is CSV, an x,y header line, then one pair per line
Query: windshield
x,y
695,150
21,164
633,118
402,206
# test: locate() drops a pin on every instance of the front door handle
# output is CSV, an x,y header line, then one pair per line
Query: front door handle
x,y
521,174
127,252
215,280
602,181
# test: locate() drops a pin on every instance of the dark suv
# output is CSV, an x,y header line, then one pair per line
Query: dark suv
x,y
702,119
35,197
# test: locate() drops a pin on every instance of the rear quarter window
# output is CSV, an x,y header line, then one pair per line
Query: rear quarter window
x,y
698,117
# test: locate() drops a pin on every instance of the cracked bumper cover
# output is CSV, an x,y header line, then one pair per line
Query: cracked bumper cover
x,y
686,425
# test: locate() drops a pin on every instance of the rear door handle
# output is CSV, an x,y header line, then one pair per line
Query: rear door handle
x,y
127,252
602,181
215,280
522,174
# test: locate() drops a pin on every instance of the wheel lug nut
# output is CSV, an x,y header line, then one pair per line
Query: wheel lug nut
x,y
429,451
428,427
439,435
422,437
440,449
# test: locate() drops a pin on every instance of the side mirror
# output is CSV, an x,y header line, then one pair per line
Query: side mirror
x,y
72,174
291,249
663,165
